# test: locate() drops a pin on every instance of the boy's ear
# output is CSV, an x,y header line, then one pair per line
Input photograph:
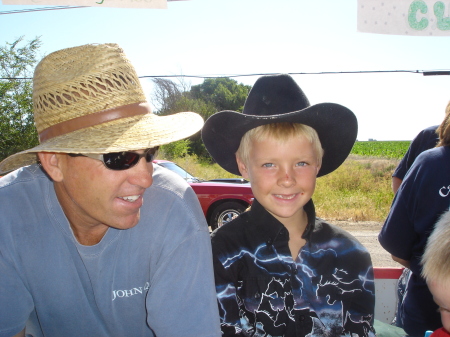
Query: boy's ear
x,y
318,169
242,168
51,163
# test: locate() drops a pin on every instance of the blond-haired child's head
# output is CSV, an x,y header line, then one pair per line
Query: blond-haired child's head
x,y
436,267
280,132
282,161
436,258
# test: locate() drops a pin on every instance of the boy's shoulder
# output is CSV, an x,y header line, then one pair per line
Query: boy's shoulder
x,y
324,231
235,227
248,230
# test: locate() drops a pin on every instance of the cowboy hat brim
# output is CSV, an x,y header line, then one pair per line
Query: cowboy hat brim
x,y
336,126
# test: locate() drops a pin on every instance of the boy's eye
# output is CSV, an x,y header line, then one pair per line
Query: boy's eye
x,y
267,165
302,163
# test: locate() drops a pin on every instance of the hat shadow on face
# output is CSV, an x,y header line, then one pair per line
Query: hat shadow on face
x,y
278,99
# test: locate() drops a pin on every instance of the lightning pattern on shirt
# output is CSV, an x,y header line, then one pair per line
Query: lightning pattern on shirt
x,y
327,291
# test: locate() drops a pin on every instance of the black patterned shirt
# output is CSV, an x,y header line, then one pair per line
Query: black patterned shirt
x,y
327,291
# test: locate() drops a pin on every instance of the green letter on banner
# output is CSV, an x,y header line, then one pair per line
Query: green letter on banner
x,y
413,8
442,23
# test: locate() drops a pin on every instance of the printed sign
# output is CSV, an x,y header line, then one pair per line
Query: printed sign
x,y
404,17
159,4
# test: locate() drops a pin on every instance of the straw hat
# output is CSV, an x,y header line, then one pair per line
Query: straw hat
x,y
88,99
278,99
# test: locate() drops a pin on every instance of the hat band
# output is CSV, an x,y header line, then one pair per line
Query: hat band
x,y
97,118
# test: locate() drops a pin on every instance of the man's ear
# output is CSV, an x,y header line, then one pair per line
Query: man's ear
x,y
51,163
242,168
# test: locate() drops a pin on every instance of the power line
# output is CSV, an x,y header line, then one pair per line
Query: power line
x,y
437,72
423,72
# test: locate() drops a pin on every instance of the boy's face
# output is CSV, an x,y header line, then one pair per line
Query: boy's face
x,y
282,176
441,296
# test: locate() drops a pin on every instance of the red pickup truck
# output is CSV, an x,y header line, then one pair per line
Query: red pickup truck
x,y
221,199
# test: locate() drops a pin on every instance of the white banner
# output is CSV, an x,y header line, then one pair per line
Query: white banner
x,y
404,17
159,4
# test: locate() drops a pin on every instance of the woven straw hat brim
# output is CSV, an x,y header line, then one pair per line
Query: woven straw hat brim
x,y
126,134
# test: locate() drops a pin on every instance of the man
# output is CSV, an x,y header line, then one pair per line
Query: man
x,y
95,241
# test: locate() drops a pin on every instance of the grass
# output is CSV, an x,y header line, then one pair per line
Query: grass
x,y
359,190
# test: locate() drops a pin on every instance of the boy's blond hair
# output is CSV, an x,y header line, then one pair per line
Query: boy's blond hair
x,y
280,132
436,258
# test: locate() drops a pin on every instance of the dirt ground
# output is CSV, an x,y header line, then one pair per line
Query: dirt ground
x,y
367,233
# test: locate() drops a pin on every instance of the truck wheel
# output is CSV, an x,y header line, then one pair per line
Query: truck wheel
x,y
224,213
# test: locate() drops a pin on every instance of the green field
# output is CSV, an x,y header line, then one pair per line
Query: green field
x,y
384,149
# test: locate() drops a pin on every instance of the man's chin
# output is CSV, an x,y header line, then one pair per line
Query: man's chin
x,y
128,223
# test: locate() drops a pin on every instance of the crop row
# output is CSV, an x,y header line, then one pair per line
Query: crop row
x,y
385,149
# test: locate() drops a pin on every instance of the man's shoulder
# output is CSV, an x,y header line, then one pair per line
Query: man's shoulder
x,y
170,199
164,179
24,176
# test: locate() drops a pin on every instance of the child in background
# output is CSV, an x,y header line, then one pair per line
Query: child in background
x,y
436,270
279,270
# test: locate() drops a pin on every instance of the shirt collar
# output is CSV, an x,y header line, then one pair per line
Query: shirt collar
x,y
270,227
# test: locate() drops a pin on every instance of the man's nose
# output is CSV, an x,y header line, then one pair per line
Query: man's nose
x,y
142,174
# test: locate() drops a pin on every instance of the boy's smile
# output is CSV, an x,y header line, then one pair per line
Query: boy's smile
x,y
282,175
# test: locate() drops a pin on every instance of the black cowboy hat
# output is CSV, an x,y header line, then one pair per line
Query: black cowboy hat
x,y
278,99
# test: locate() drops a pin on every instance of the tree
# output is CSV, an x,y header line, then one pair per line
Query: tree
x,y
214,94
172,97
224,93
17,62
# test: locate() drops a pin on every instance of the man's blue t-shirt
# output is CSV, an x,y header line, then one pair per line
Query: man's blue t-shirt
x,y
153,279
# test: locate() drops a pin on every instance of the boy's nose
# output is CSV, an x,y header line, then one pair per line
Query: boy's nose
x,y
287,179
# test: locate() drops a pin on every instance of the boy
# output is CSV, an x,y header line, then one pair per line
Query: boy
x,y
279,270
436,270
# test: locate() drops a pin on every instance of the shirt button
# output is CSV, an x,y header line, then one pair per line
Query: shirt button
x,y
302,318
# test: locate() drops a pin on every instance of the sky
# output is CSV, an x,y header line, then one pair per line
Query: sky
x,y
228,37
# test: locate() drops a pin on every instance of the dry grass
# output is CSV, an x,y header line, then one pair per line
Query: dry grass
x,y
360,190
200,170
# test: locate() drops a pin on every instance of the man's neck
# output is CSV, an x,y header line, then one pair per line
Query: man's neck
x,y
89,237
85,232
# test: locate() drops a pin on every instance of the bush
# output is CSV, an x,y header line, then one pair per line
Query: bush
x,y
178,149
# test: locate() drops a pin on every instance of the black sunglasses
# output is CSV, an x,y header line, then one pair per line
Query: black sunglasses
x,y
119,161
